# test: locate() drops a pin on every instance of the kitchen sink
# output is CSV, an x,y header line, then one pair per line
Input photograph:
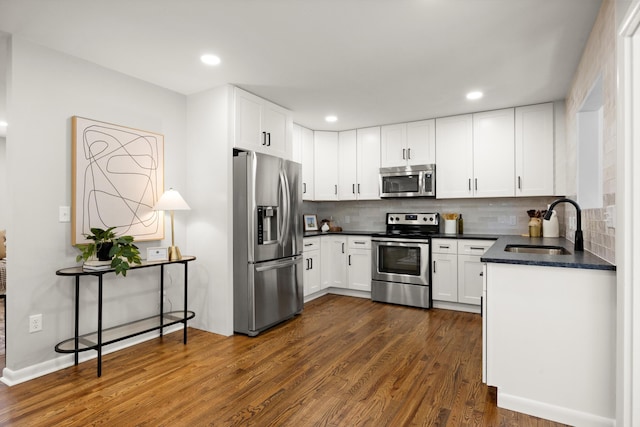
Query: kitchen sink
x,y
537,249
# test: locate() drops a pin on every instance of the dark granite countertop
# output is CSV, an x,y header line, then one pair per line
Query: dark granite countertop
x,y
585,260
466,236
344,232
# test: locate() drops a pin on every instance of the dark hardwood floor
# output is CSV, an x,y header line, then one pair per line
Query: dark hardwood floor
x,y
344,362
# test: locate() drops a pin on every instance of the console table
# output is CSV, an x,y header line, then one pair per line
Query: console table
x,y
98,339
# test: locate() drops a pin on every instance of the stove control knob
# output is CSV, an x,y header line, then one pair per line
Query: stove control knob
x,y
431,219
397,219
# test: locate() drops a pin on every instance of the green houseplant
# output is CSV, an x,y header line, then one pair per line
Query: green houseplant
x,y
106,245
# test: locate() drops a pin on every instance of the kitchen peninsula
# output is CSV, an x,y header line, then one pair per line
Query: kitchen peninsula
x,y
549,331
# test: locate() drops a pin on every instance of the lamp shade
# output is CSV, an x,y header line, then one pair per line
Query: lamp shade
x,y
171,200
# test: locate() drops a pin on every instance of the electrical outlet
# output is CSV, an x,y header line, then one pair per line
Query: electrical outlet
x,y
512,220
35,323
64,214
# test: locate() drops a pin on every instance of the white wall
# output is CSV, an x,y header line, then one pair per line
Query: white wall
x,y
210,196
45,89
3,183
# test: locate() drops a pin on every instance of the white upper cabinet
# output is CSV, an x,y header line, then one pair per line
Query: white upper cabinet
x,y
325,164
408,144
347,157
302,152
534,150
262,126
493,153
368,163
454,157
359,164
308,168
475,155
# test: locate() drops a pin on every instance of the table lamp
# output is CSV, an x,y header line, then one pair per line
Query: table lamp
x,y
171,201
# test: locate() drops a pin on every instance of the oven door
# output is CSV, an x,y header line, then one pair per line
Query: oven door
x,y
402,261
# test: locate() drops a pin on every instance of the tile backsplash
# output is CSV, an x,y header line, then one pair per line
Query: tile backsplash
x,y
481,216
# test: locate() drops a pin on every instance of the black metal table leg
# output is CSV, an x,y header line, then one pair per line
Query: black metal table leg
x,y
77,318
100,325
161,299
185,303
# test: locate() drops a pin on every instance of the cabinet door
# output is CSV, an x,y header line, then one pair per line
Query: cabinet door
x,y
454,157
534,150
368,164
421,142
248,127
359,265
307,164
337,262
347,157
444,273
311,272
325,165
469,279
296,146
393,145
274,123
493,153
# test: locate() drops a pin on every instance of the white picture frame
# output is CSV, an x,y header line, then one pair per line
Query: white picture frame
x,y
157,254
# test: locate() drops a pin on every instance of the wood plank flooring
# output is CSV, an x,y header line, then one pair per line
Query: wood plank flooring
x,y
344,362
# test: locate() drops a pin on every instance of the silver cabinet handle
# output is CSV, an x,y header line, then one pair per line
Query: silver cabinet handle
x,y
444,247
336,189
349,259
409,153
264,138
434,266
268,139
353,188
476,248
304,188
476,184
359,242
519,183
358,188
343,248
469,184
481,273
308,244
403,154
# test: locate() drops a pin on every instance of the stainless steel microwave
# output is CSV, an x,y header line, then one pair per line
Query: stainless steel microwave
x,y
408,181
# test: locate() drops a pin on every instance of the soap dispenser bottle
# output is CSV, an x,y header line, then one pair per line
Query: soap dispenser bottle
x,y
550,227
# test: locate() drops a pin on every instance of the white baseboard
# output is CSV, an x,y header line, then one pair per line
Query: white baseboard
x,y
338,291
11,377
457,306
551,412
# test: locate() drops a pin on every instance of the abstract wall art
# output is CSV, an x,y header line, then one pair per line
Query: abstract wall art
x,y
117,177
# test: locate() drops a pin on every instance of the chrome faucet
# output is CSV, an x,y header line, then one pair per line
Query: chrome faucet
x,y
579,242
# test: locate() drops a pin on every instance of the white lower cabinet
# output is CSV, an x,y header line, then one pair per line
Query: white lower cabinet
x,y
359,263
311,265
346,262
334,261
444,270
457,270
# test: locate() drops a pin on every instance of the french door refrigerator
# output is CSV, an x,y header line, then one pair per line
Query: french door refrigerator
x,y
267,241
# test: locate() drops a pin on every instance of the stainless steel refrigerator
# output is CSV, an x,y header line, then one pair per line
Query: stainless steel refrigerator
x,y
267,241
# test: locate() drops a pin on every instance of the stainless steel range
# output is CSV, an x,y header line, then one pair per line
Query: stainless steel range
x,y
401,258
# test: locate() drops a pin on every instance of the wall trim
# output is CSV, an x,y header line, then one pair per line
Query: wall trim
x,y
11,377
552,412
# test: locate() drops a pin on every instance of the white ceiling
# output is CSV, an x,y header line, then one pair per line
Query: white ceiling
x,y
369,62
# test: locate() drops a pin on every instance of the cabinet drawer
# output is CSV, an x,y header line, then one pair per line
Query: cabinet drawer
x,y
359,242
310,244
474,247
444,246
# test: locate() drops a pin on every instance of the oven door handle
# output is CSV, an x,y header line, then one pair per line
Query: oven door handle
x,y
403,243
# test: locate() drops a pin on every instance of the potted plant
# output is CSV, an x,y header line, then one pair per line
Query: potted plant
x,y
107,246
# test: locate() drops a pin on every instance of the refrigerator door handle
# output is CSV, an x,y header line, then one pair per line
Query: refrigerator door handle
x,y
286,208
275,265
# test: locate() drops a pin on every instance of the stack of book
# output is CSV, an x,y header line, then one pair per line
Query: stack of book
x,y
94,265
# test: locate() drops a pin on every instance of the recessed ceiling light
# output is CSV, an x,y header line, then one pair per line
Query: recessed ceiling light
x,y
474,95
331,119
210,59
3,124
